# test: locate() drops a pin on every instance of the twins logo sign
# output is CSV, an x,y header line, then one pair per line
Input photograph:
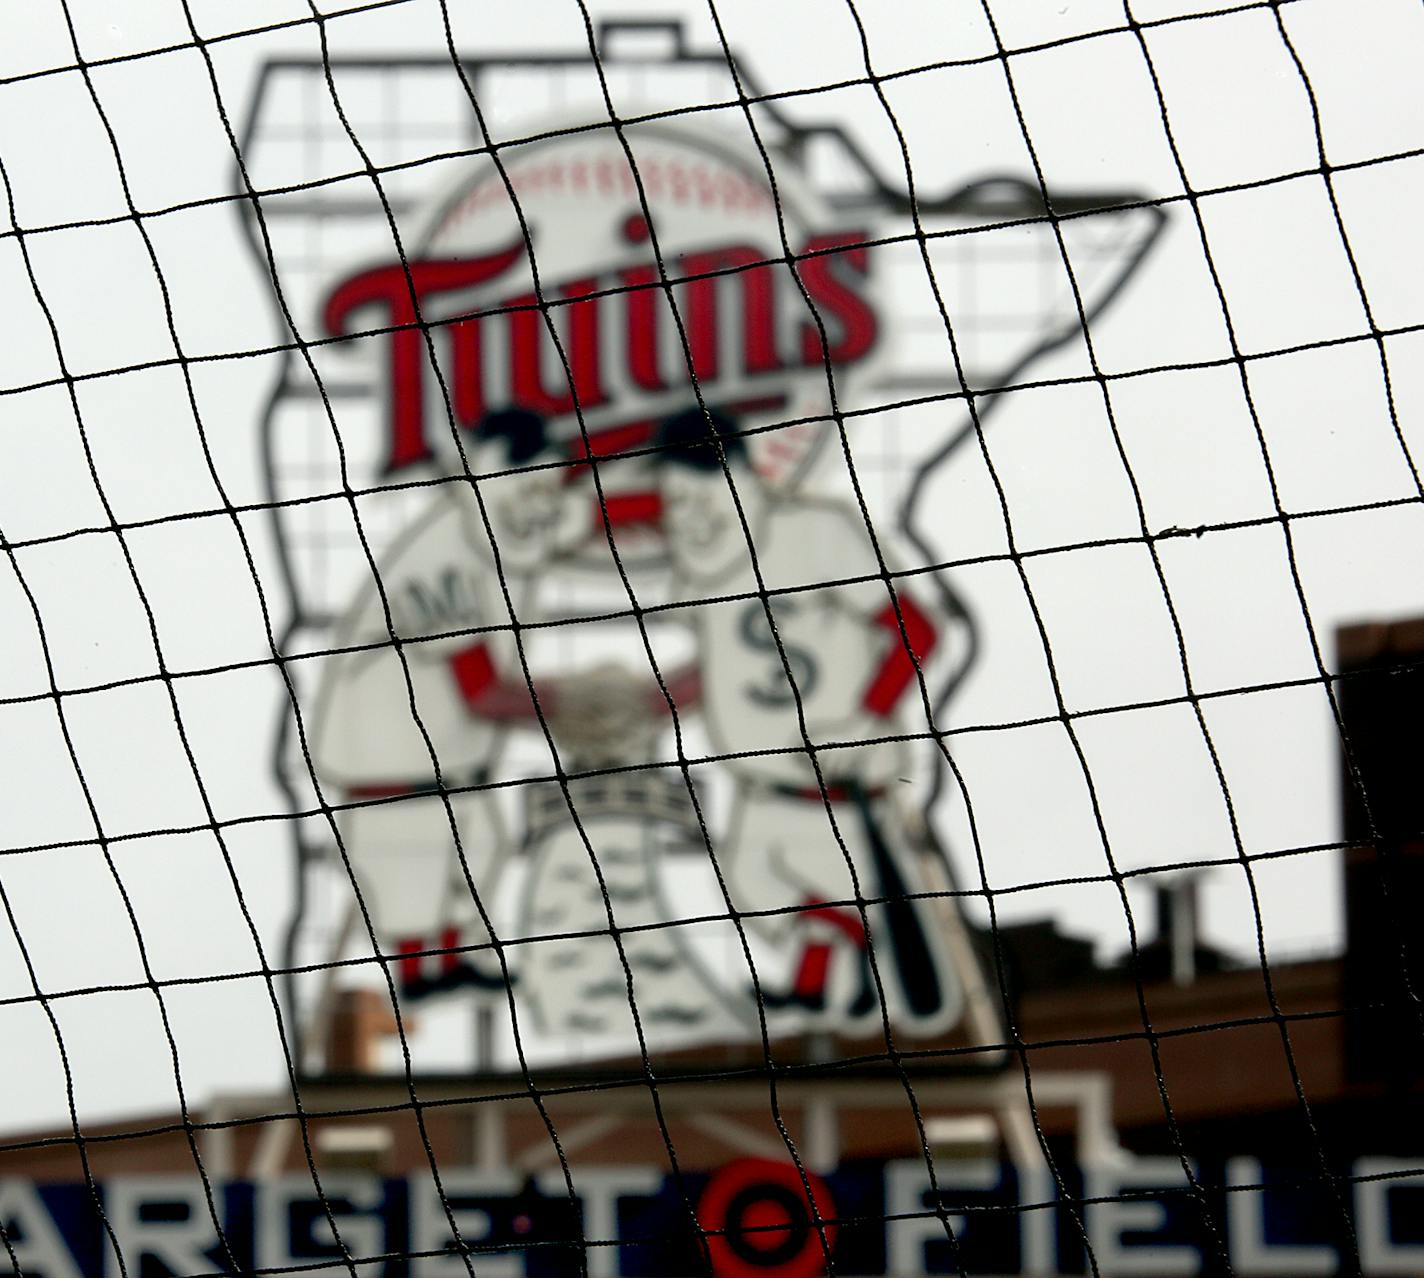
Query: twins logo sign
x,y
583,396
613,341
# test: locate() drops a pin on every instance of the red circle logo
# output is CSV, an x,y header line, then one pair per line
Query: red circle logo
x,y
760,1221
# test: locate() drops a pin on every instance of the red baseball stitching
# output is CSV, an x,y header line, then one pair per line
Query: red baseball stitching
x,y
663,178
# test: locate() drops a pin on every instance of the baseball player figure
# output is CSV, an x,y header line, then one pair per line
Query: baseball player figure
x,y
845,650
440,583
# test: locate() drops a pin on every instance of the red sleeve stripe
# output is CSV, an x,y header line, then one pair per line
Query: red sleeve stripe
x,y
897,671
384,790
846,921
474,672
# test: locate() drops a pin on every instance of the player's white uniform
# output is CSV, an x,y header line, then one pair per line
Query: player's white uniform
x,y
846,653
439,577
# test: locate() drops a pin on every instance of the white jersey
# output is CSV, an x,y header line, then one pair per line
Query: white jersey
x,y
842,644
574,976
440,584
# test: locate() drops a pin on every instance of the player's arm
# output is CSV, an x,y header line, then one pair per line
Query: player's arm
x,y
911,634
904,628
926,631
684,687
683,679
487,693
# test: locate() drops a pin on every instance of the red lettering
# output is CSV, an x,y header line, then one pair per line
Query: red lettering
x,y
833,273
643,331
700,314
851,326
759,320
467,373
400,294
758,292
528,333
526,348
585,341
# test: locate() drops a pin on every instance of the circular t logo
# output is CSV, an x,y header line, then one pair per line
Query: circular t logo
x,y
760,1222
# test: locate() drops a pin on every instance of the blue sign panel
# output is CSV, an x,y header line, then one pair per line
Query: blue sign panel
x,y
752,1218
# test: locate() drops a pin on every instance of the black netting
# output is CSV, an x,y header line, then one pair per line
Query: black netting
x,y
1045,568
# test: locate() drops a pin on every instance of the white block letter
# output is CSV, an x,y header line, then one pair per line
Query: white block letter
x,y
1246,1231
177,1244
430,1226
1379,1253
38,1248
1108,1221
600,1191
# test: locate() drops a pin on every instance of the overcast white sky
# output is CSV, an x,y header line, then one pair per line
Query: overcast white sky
x,y
1241,115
